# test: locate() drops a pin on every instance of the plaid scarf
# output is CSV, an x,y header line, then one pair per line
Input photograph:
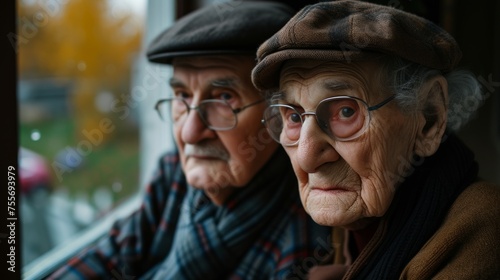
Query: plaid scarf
x,y
261,232
211,241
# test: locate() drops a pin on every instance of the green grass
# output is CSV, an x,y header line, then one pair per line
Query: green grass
x,y
115,160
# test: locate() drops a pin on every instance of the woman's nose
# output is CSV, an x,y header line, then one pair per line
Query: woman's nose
x,y
315,146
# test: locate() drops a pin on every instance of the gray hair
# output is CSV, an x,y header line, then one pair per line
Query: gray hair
x,y
464,91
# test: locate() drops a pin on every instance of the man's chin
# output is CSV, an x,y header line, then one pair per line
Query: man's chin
x,y
205,182
217,193
205,186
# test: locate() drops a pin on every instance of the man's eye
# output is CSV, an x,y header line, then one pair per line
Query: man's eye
x,y
181,94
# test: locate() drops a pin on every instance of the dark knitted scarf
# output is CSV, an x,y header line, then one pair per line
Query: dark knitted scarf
x,y
419,207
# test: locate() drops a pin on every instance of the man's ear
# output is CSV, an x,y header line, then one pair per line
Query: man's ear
x,y
433,109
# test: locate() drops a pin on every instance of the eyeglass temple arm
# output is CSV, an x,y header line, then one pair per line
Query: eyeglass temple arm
x,y
158,103
375,107
237,110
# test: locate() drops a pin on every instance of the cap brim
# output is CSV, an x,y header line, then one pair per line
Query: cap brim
x,y
266,75
166,58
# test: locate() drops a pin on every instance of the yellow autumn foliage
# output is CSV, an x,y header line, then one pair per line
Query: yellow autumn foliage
x,y
82,41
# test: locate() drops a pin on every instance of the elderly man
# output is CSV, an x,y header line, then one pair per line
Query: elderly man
x,y
225,206
363,103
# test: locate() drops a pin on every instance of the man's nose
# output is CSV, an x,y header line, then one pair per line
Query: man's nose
x,y
194,129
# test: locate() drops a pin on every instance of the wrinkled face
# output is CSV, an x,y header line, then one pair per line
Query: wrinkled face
x,y
345,183
218,161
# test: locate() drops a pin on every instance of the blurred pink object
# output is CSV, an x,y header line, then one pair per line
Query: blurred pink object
x,y
33,171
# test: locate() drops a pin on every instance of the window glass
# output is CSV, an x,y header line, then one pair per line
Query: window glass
x,y
79,152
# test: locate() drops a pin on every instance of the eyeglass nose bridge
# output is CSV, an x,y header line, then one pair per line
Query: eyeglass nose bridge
x,y
322,125
199,112
189,107
204,119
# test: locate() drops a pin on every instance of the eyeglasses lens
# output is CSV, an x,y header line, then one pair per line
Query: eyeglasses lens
x,y
340,118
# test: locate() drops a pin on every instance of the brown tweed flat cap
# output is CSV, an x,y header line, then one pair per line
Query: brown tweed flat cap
x,y
237,27
347,30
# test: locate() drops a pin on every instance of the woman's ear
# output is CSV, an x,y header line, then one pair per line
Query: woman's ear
x,y
433,110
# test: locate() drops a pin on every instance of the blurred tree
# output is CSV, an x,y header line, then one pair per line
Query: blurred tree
x,y
83,41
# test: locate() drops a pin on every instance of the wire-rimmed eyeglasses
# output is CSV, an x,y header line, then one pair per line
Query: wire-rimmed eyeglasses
x,y
214,113
343,118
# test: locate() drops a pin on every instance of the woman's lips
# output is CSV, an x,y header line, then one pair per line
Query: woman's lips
x,y
329,189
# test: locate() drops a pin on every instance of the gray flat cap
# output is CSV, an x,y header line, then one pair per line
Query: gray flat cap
x,y
346,30
237,27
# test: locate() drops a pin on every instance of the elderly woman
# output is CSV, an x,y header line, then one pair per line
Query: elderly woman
x,y
364,101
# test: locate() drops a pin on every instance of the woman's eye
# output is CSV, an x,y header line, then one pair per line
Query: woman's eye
x,y
290,116
347,112
295,117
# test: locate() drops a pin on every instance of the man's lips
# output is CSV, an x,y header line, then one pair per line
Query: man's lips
x,y
205,152
204,157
